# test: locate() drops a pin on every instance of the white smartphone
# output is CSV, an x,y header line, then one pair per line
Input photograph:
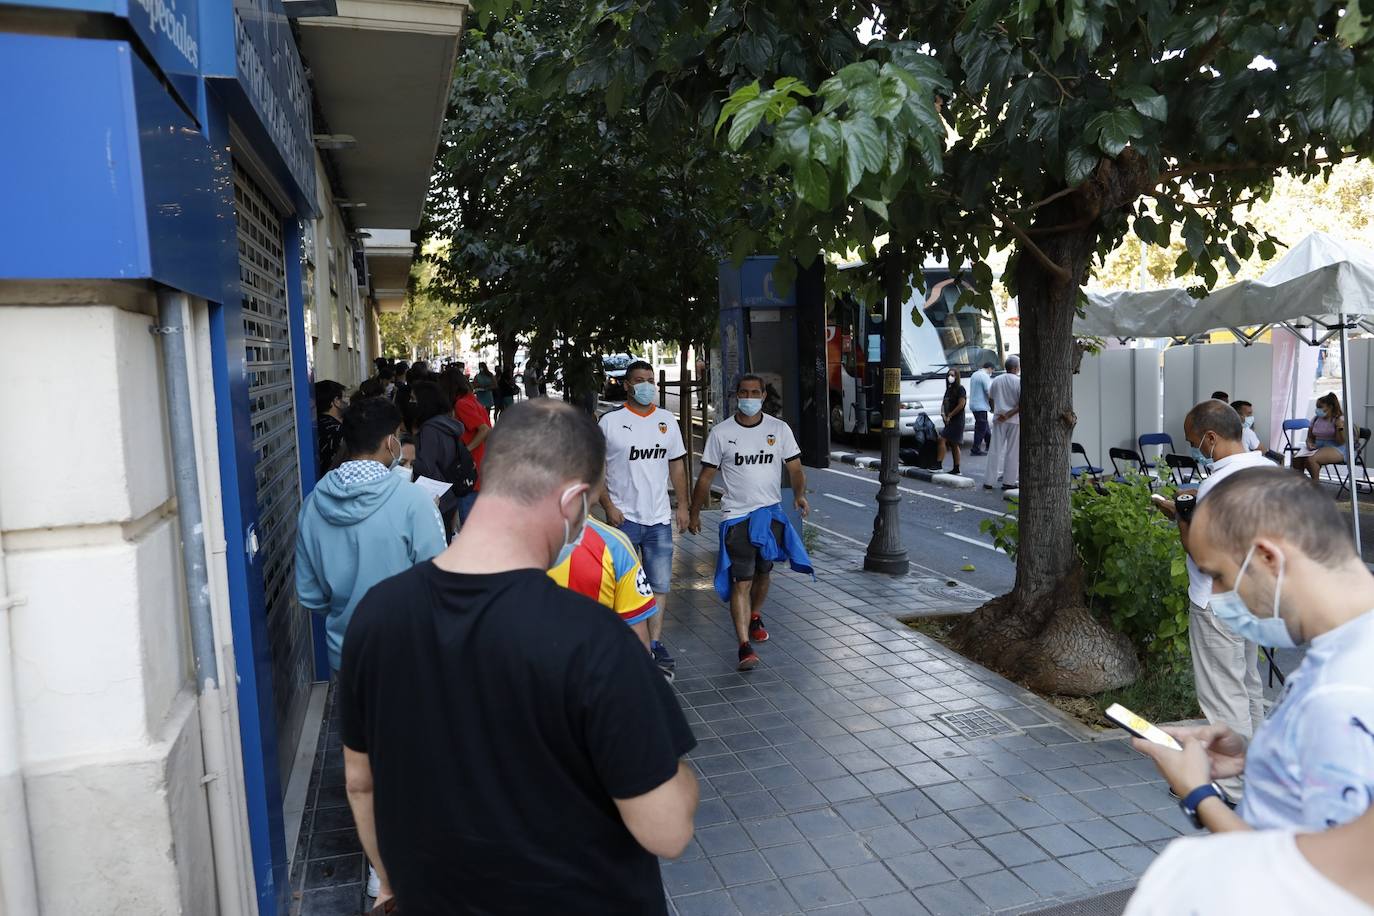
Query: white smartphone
x,y
1141,728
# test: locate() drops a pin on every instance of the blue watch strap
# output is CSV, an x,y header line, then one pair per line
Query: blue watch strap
x,y
1196,797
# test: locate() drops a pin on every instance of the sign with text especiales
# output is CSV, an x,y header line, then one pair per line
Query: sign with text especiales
x,y
168,29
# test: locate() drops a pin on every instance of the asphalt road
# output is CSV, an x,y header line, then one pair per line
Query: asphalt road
x,y
939,525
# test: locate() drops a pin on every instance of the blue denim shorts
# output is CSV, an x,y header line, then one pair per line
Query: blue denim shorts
x,y
655,546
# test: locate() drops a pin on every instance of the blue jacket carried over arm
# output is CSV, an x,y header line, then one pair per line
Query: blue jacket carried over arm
x,y
760,523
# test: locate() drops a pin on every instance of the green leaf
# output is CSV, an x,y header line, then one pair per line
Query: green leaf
x,y
746,119
864,149
1075,18
791,85
877,206
743,246
826,143
1145,229
1266,249
1079,163
737,100
1146,101
1113,130
812,182
615,95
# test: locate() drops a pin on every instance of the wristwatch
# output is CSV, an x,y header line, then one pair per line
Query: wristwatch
x,y
1193,799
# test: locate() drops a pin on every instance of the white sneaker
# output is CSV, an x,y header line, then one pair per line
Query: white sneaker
x,y
374,882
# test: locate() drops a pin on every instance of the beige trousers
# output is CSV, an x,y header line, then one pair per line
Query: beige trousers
x,y
1226,674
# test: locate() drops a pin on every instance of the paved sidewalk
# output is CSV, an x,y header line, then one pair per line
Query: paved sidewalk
x,y
861,768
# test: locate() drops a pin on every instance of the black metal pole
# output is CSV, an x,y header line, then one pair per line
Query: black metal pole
x,y
886,553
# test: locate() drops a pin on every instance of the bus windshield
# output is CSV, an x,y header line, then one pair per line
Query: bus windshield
x,y
965,338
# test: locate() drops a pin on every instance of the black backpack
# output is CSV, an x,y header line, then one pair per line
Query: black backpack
x,y
462,470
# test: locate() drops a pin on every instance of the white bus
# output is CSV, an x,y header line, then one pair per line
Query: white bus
x,y
965,339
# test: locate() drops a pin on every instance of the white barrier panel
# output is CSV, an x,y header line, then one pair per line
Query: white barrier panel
x,y
1116,395
1192,373
1361,408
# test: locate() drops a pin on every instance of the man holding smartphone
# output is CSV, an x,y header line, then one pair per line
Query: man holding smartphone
x,y
1285,572
1224,664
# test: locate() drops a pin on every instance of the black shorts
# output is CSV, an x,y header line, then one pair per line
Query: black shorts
x,y
745,561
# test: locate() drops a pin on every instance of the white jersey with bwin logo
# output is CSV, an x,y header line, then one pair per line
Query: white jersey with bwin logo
x,y
750,461
638,449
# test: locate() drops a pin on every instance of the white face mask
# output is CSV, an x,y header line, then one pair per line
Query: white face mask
x,y
571,541
644,393
395,461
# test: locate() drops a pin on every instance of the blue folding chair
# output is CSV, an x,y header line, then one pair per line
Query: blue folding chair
x,y
1087,467
1163,441
1291,448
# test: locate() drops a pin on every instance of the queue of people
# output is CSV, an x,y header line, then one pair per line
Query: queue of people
x,y
430,604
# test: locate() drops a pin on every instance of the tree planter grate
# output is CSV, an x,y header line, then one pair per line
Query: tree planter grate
x,y
977,723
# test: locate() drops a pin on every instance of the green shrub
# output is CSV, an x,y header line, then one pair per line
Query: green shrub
x,y
1133,568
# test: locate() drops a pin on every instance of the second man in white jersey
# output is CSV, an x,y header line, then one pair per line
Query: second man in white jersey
x,y
644,452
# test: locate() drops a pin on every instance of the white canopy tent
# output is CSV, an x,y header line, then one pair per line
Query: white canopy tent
x,y
1322,288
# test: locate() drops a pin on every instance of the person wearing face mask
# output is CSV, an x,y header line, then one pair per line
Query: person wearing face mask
x,y
1225,670
1285,572
362,523
523,749
750,449
1004,393
330,403
952,410
1248,437
644,455
1325,438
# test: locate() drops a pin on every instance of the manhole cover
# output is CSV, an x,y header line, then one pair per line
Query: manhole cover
x,y
977,723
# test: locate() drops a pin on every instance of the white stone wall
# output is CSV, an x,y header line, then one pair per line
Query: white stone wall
x,y
108,731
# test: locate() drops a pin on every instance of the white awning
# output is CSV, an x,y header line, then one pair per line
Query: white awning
x,y
1320,277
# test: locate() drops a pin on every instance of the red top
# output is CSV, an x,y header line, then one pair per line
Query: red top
x,y
472,415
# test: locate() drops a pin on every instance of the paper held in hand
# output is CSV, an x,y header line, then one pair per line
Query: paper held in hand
x,y
435,488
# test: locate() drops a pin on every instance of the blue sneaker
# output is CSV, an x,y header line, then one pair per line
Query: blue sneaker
x,y
665,662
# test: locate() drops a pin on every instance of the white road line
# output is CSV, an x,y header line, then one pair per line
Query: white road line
x,y
975,541
943,499
847,502
833,533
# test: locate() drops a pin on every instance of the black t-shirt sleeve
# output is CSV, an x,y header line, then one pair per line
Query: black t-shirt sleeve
x,y
634,728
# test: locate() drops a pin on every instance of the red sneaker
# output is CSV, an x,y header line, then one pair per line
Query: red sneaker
x,y
756,631
747,658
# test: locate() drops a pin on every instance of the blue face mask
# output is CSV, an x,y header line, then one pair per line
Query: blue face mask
x,y
1199,457
1231,610
1321,411
644,393
750,406
570,543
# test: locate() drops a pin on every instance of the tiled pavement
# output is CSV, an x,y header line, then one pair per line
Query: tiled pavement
x,y
832,779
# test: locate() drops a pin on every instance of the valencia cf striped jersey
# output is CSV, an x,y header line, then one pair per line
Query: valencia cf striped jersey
x,y
605,567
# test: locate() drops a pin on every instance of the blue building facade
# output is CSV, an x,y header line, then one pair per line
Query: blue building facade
x,y
167,145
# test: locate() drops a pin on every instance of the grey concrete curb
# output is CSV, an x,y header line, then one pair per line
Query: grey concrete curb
x,y
868,462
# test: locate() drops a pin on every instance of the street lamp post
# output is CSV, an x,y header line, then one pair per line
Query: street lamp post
x,y
886,553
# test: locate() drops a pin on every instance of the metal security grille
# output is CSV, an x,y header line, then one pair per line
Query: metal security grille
x,y
267,345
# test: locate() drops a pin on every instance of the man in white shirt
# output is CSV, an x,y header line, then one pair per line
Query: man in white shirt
x,y
1225,670
750,449
644,451
1248,437
1263,871
1004,395
1285,572
978,403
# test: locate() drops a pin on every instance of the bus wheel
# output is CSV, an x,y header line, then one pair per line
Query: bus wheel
x,y
837,430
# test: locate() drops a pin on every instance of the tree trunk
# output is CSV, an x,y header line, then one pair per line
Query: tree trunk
x,y
1041,633
684,401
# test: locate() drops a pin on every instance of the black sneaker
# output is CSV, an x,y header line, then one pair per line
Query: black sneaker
x,y
665,662
747,659
756,631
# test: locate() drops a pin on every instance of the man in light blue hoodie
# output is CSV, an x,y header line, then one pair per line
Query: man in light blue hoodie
x,y
362,523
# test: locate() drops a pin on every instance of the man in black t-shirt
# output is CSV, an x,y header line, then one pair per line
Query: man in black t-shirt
x,y
509,747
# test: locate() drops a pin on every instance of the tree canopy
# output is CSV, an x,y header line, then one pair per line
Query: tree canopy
x,y
581,229
1048,127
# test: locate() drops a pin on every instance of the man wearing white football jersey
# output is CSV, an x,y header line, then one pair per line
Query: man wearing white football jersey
x,y
644,451
749,450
